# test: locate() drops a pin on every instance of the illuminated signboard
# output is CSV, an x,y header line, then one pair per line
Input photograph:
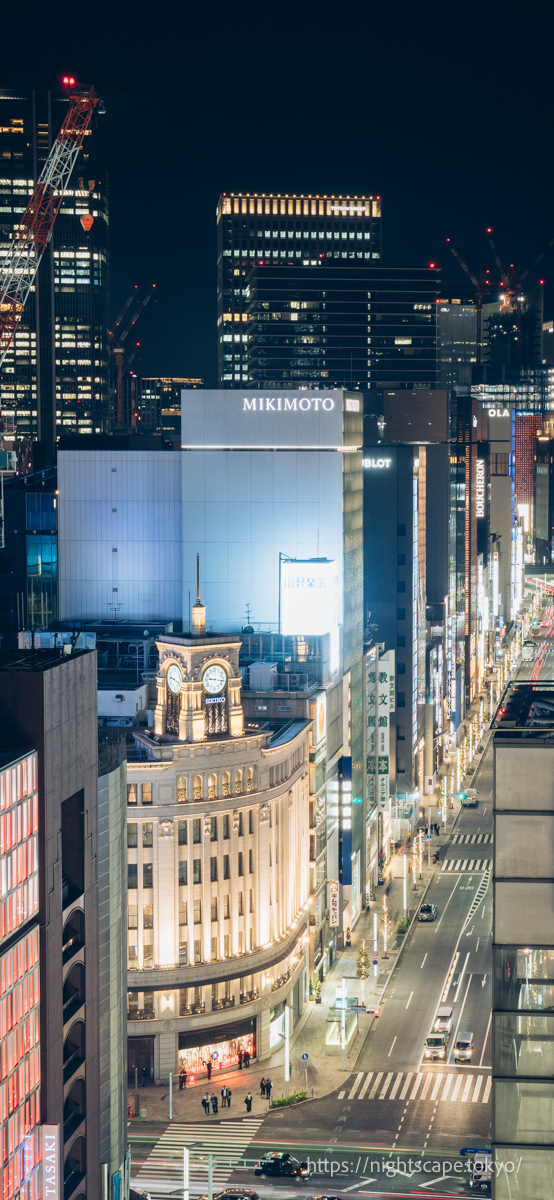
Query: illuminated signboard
x,y
51,1162
320,724
310,600
480,488
333,902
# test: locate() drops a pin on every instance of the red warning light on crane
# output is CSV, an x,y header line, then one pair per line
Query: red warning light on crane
x,y
68,81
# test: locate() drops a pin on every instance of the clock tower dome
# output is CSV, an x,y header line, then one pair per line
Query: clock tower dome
x,y
199,686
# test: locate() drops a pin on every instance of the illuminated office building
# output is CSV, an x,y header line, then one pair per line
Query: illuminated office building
x,y
290,230
55,377
217,836
456,336
339,324
159,404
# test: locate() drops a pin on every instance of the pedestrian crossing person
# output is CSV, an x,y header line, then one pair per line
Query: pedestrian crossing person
x,y
248,1101
206,1104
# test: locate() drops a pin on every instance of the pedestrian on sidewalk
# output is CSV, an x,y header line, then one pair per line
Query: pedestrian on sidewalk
x,y
182,1079
262,1086
268,1087
224,1097
214,1102
209,1068
246,1058
144,1074
248,1101
229,1094
241,1056
206,1104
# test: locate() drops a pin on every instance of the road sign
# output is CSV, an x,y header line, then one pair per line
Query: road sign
x,y
472,1150
429,838
374,962
358,1008
305,1057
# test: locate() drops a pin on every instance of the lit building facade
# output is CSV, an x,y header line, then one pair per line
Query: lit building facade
x,y
457,341
341,324
20,988
289,230
55,377
217,835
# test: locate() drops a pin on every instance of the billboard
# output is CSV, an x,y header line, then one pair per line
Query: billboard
x,y
333,902
309,600
320,724
232,419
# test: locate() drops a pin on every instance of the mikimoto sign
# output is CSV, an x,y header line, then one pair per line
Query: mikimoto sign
x,y
272,420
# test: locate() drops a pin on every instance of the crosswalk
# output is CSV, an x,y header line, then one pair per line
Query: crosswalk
x,y
466,864
162,1173
419,1085
470,839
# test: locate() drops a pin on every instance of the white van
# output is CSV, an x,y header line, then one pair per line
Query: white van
x,y
464,1047
443,1020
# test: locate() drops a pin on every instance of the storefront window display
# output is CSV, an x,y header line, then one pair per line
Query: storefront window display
x,y
221,1054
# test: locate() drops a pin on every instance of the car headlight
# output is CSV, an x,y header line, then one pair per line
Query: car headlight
x,y
441,1052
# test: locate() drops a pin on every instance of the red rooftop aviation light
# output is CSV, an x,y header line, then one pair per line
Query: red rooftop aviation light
x,y
68,81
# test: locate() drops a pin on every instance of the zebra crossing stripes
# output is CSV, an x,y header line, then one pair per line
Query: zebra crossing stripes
x,y
162,1173
471,839
466,864
461,1087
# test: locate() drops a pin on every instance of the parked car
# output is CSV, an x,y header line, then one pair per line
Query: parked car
x,y
280,1163
428,912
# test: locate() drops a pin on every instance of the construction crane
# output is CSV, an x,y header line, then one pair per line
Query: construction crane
x,y
118,349
31,236
480,286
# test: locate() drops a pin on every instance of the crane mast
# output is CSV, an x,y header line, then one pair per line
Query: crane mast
x,y
19,268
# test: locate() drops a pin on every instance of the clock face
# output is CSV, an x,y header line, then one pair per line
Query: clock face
x,y
174,679
214,680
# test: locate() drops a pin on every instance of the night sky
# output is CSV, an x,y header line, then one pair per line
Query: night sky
x,y
443,110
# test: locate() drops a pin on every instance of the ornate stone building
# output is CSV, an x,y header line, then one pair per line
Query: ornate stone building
x,y
218,845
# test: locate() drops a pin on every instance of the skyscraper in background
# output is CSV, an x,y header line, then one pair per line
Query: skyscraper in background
x,y
290,230
55,377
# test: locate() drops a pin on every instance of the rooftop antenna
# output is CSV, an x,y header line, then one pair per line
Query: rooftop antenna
x,y
198,609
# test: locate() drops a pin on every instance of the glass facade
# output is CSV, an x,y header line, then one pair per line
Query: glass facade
x,y
55,377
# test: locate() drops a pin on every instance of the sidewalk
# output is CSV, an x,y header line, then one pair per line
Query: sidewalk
x,y
324,1070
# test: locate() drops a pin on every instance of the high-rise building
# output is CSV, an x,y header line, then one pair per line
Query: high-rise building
x,y
160,403
350,324
457,337
55,377
289,230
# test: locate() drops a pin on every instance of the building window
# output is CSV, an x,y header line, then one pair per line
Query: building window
x,y
196,831
197,788
182,833
131,793
214,908
132,834
226,867
213,829
212,787
133,956
226,908
251,901
226,833
181,789
147,833
401,614
214,950
251,862
241,864
146,793
132,875
147,875
183,913
240,830
238,781
132,916
250,939
241,939
183,874
183,957
250,784
197,870
213,870
148,916
226,784
226,946
197,957
251,820
241,904
197,916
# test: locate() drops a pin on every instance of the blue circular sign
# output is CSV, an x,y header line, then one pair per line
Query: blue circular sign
x,y
304,1058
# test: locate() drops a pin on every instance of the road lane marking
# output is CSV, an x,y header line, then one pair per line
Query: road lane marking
x,y
462,973
341,1095
396,1085
456,1087
465,1092
436,1088
386,1085
409,998
426,1086
487,1090
447,1085
477,946
404,1091
416,1086
437,927
423,963
359,1184
392,1047
376,1085
478,1083
365,1085
485,1041
354,1089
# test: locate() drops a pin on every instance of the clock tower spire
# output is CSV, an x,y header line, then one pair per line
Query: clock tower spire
x,y
198,609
